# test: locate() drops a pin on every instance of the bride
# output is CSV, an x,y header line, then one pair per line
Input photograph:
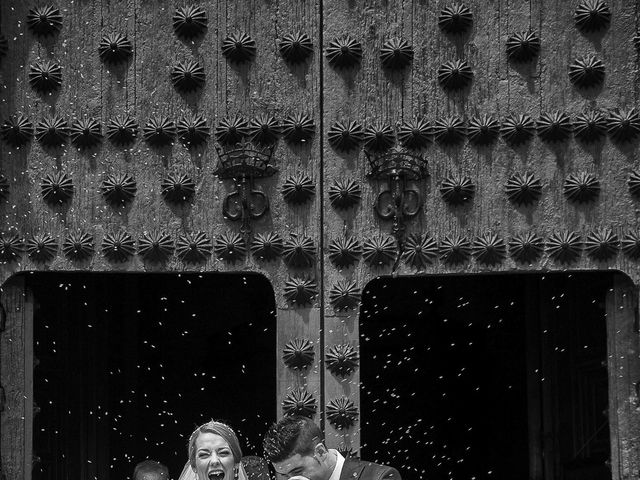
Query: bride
x,y
214,454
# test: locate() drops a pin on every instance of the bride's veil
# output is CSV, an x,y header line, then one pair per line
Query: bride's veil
x,y
189,474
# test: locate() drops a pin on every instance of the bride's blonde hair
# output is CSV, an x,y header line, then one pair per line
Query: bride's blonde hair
x,y
218,428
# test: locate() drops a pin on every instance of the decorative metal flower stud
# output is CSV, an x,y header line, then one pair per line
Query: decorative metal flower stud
x,y
295,48
344,52
239,48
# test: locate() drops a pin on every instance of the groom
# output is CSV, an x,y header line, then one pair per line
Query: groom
x,y
295,446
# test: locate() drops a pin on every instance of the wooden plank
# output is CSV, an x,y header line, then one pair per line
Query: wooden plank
x,y
623,355
340,330
299,324
16,418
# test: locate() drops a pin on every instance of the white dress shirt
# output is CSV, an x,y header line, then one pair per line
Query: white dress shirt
x,y
337,471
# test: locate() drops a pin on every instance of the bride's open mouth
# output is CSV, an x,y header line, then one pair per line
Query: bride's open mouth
x,y
216,475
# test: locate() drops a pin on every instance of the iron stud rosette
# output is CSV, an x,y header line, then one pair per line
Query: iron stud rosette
x,y
523,189
581,187
449,131
298,189
489,249
299,402
194,248
344,194
587,72
239,48
379,251
517,129
602,244
119,189
298,128
344,52
342,360
78,247
420,251
267,246
592,16
122,130
115,49
11,248
633,183
344,252
345,136
159,132
193,130
378,138
344,295
483,130
188,76
298,354
457,190
526,248
190,22
42,248
523,47
455,75
396,54
455,249
455,19
52,132
17,131
4,188
295,48
230,247
155,247
45,77
299,251
415,134
264,131
86,134
554,127
590,126
178,189
300,291
342,413
623,125
118,247
44,21
56,188
564,247
231,131
631,245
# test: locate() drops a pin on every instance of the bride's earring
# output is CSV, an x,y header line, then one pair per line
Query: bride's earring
x,y
235,472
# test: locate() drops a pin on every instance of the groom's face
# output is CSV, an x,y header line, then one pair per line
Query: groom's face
x,y
314,466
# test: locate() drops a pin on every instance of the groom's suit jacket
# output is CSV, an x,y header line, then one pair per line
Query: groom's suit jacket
x,y
354,469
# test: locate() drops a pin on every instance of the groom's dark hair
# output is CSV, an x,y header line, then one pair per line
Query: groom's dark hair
x,y
291,435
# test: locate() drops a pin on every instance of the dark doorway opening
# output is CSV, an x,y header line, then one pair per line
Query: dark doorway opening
x,y
127,365
487,376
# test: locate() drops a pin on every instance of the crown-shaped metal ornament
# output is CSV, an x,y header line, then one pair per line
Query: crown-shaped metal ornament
x,y
244,159
244,162
397,162
399,201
